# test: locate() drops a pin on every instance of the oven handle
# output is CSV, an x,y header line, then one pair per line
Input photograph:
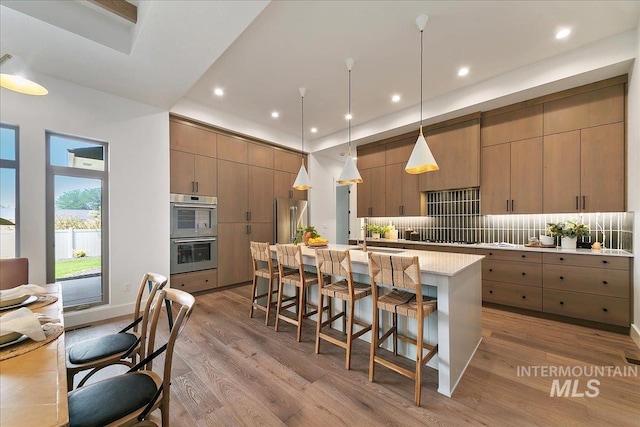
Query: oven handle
x,y
213,239
194,206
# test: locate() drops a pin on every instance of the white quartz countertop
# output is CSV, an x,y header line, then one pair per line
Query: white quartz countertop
x,y
431,262
509,246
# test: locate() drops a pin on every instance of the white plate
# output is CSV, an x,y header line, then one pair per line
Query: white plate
x,y
16,341
28,301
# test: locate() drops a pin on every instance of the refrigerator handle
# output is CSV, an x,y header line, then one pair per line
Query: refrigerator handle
x,y
293,215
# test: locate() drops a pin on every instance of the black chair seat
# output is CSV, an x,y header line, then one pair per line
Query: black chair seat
x,y
97,348
101,403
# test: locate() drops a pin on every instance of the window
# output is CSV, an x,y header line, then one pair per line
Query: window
x,y
77,219
9,185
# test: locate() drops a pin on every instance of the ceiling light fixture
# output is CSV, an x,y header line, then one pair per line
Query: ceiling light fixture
x,y
314,130
395,98
463,71
275,115
563,33
421,159
350,174
16,76
218,91
302,181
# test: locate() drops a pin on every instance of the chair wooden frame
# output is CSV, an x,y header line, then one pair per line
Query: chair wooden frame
x,y
338,263
127,357
402,274
183,303
290,257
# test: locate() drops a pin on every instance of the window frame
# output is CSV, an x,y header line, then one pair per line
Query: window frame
x,y
14,164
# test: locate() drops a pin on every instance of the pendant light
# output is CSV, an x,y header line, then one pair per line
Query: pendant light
x,y
350,174
302,181
421,159
16,76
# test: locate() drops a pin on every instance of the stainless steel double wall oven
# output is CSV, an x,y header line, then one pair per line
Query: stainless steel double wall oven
x,y
194,233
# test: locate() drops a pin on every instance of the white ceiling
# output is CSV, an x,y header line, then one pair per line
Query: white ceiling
x,y
260,53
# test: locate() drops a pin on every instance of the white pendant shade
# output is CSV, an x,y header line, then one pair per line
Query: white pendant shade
x,y
302,181
421,159
16,76
350,174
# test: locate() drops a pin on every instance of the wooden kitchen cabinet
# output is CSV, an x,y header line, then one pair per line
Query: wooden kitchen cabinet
x,y
286,167
402,195
371,193
593,108
192,174
456,149
234,254
232,149
500,126
584,170
512,177
195,281
260,194
190,138
233,191
371,157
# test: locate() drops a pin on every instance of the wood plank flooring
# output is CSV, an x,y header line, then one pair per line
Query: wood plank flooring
x,y
230,370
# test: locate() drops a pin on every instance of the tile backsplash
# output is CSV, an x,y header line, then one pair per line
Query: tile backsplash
x,y
454,216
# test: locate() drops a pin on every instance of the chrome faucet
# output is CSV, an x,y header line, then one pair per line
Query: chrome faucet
x,y
364,239
598,226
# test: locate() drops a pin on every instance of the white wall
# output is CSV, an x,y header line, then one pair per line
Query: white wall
x,y
138,137
633,180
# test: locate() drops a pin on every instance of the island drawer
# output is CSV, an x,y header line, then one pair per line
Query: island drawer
x,y
598,281
602,261
528,297
195,281
521,273
525,256
597,308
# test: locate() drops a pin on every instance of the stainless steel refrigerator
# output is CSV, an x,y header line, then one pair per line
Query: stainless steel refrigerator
x,y
289,214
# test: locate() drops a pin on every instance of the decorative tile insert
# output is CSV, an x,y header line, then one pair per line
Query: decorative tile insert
x,y
454,216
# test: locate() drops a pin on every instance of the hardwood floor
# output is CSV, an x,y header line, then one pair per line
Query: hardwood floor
x,y
230,370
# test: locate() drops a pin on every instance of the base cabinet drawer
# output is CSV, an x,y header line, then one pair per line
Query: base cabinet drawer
x,y
509,255
603,309
195,281
597,281
528,297
601,261
520,273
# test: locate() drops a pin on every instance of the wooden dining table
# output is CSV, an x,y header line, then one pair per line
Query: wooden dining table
x,y
33,386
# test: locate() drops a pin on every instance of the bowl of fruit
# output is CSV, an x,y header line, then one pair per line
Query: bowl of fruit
x,y
317,242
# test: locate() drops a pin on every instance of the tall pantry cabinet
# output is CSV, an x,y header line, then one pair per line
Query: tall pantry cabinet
x,y
246,176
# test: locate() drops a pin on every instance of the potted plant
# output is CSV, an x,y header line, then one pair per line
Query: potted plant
x,y
303,234
377,230
568,231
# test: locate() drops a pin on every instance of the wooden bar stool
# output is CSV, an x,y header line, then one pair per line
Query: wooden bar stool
x,y
263,267
402,275
338,263
290,256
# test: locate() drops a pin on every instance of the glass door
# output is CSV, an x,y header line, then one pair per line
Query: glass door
x,y
76,220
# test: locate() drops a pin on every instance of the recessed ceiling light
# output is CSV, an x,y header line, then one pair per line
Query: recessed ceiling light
x,y
463,71
563,33
348,116
395,98
275,114
218,91
314,130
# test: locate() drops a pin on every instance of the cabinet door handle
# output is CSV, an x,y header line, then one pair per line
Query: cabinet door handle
x,y
249,215
524,256
490,292
524,274
561,277
402,209
491,269
512,208
193,186
604,261
197,186
561,259
561,302
604,282
584,202
605,310
490,253
524,297
577,203
507,205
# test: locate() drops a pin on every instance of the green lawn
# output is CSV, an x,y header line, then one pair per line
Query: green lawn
x,y
76,267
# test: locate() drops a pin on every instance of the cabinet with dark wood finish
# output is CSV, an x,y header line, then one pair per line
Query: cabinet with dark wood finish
x,y
371,193
402,195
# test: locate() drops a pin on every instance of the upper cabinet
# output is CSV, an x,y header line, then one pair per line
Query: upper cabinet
x,y
192,159
456,149
286,167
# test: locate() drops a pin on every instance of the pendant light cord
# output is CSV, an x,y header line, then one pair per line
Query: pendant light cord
x,y
350,117
302,130
421,55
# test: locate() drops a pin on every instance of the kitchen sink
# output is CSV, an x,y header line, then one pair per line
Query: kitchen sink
x,y
379,250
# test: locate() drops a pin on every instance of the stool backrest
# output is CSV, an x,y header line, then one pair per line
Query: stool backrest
x,y
335,263
290,256
261,252
395,271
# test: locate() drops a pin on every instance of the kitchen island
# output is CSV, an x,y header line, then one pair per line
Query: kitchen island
x,y
456,280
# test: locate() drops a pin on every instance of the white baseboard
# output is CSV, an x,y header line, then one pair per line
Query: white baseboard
x,y
96,314
634,332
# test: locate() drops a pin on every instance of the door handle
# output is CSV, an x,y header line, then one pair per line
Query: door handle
x,y
584,202
512,209
249,215
507,205
577,203
197,186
